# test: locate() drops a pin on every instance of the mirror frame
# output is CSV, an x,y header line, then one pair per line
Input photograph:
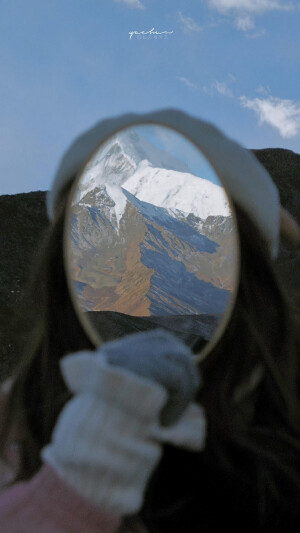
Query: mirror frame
x,y
127,122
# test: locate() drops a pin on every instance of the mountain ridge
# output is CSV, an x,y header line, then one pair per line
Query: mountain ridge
x,y
24,222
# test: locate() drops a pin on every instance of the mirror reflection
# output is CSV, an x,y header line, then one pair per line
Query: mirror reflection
x,y
151,238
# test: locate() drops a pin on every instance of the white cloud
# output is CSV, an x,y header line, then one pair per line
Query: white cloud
x,y
283,115
249,6
244,22
189,24
265,91
135,4
243,11
222,88
187,82
256,34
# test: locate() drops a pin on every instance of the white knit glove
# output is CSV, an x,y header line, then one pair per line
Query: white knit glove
x,y
108,438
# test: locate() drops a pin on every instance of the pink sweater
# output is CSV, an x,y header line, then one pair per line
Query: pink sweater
x,y
46,504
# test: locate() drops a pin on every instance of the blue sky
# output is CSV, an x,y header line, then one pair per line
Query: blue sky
x,y
66,64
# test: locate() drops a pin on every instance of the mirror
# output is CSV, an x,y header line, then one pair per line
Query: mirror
x,y
151,239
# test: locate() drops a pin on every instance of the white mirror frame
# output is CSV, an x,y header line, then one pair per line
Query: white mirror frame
x,y
202,137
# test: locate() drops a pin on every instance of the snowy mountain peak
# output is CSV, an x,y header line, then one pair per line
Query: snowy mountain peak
x,y
136,149
178,190
131,162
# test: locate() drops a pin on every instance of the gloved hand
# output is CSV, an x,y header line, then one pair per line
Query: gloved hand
x,y
108,438
160,357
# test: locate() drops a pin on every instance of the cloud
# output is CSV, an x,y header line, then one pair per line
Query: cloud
x,y
187,82
222,88
135,4
265,91
249,6
244,22
244,11
256,34
283,115
189,25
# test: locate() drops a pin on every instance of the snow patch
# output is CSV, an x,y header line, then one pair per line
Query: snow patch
x,y
119,198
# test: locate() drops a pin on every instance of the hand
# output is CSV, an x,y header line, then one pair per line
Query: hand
x,y
108,438
163,359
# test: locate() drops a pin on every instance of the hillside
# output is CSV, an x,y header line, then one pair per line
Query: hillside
x,y
24,221
284,167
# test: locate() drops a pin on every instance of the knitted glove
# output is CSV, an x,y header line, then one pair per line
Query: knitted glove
x,y
160,357
108,437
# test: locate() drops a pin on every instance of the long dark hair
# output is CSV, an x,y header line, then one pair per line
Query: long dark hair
x,y
39,392
248,477
250,466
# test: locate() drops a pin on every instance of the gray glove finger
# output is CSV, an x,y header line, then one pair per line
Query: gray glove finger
x,y
160,357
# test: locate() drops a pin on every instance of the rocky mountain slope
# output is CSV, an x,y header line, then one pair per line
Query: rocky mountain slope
x,y
158,250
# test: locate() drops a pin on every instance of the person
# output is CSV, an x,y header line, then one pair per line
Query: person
x,y
181,456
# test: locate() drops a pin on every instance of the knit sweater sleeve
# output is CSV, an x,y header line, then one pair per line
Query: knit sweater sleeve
x,y
48,504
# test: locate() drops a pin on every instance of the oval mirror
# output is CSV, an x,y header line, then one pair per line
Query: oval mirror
x,y
151,240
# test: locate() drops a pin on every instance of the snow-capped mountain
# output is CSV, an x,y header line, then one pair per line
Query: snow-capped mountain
x,y
153,261
142,235
133,163
119,158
